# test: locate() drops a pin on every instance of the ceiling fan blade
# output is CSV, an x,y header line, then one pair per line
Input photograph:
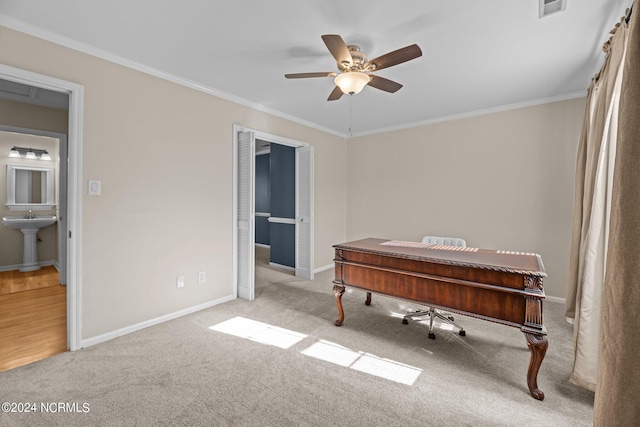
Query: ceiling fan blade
x,y
307,75
394,58
384,84
338,48
335,94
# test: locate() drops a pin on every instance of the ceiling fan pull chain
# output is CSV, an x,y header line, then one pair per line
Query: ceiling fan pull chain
x,y
350,115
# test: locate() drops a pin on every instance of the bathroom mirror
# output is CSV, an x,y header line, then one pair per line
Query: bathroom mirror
x,y
29,188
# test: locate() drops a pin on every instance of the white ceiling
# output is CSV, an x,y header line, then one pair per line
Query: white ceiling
x,y
478,56
33,95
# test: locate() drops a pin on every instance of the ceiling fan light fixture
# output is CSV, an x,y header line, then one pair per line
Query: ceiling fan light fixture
x,y
354,68
352,82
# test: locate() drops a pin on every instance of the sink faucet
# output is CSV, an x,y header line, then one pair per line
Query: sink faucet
x,y
29,215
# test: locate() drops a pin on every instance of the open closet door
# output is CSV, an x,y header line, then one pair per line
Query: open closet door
x,y
304,212
244,237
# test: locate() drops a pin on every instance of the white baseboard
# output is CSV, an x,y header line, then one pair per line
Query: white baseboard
x,y
18,266
556,299
284,267
326,267
151,322
10,267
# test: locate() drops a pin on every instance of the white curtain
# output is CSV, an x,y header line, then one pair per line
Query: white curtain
x,y
592,209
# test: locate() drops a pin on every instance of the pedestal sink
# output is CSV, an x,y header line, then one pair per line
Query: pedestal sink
x,y
29,227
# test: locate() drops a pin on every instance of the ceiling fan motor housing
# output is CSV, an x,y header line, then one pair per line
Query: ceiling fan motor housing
x,y
358,59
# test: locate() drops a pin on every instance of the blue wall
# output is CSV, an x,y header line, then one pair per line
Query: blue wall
x,y
283,204
263,197
283,244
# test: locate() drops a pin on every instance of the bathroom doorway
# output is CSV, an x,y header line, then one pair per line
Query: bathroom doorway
x,y
22,85
32,255
51,244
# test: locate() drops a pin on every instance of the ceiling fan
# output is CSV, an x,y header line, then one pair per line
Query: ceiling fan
x,y
355,70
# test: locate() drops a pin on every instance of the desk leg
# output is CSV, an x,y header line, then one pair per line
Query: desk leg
x,y
338,290
538,345
368,300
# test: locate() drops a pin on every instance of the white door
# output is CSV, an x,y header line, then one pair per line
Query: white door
x,y
244,237
304,212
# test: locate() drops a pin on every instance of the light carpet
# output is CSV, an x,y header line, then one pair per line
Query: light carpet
x,y
219,367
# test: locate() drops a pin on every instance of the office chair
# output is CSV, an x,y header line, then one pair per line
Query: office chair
x,y
432,312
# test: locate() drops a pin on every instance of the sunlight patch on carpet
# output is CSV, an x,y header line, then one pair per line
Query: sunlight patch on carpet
x,y
363,362
259,332
331,352
327,351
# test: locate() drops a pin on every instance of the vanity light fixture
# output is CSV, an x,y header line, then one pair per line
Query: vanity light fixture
x,y
29,153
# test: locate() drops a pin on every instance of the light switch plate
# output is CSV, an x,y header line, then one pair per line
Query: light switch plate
x,y
94,187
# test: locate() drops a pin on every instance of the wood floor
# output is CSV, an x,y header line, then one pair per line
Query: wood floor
x,y
17,281
33,317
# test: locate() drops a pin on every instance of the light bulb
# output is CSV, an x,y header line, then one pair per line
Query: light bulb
x,y
352,82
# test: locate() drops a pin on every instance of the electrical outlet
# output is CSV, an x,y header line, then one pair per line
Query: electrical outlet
x,y
202,277
180,282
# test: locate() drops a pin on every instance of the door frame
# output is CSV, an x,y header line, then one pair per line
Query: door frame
x,y
74,188
276,139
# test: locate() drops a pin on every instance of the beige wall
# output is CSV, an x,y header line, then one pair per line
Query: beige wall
x,y
30,116
164,155
502,181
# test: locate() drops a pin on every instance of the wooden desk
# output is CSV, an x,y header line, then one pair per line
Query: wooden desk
x,y
499,286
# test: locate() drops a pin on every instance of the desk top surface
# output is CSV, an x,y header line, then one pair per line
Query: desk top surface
x,y
491,259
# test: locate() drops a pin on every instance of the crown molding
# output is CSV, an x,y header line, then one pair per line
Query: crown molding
x,y
52,37
58,39
476,113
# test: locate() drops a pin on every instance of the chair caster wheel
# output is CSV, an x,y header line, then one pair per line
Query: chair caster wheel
x,y
405,322
462,333
432,335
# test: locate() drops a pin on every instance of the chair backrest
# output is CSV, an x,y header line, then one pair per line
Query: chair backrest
x,y
447,241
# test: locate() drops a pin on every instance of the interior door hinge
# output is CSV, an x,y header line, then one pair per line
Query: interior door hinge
x,y
69,233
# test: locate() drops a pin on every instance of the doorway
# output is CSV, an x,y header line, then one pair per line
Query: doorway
x,y
275,202
55,145
72,232
244,212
